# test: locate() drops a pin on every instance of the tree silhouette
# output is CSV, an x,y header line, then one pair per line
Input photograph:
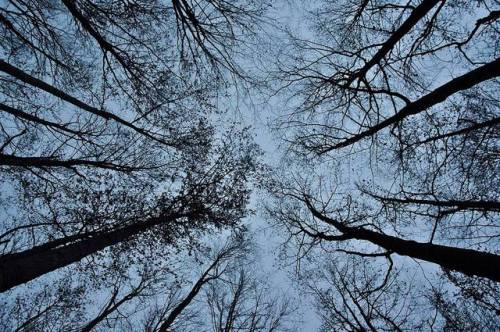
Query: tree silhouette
x,y
365,98
392,124
105,127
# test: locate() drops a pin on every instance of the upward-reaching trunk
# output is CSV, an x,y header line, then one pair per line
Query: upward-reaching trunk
x,y
167,323
18,268
39,84
485,205
416,15
467,261
481,74
45,162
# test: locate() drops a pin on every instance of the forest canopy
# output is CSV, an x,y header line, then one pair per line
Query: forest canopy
x,y
249,165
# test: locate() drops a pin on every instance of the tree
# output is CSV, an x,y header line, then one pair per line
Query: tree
x,y
155,297
467,261
355,295
101,84
232,253
242,302
154,284
226,296
141,291
424,148
105,128
393,135
204,200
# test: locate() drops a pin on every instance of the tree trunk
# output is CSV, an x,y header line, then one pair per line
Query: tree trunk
x,y
416,15
485,72
467,261
45,162
461,205
18,268
189,298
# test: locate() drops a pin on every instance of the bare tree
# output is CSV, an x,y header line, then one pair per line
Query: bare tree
x,y
357,296
143,290
232,253
393,136
106,85
421,153
244,303
356,226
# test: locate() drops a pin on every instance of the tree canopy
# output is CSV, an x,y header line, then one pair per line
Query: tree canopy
x,y
138,180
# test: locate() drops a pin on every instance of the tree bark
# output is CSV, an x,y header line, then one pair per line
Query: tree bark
x,y
467,261
18,268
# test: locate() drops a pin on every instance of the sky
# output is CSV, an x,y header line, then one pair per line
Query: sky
x,y
261,110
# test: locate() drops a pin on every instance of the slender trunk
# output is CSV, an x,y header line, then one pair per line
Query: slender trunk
x,y
44,162
485,72
188,299
416,15
462,205
231,315
35,82
109,309
18,268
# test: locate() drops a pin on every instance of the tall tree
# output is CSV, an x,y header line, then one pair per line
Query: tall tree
x,y
213,195
355,295
425,148
245,303
105,127
179,294
393,133
231,254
